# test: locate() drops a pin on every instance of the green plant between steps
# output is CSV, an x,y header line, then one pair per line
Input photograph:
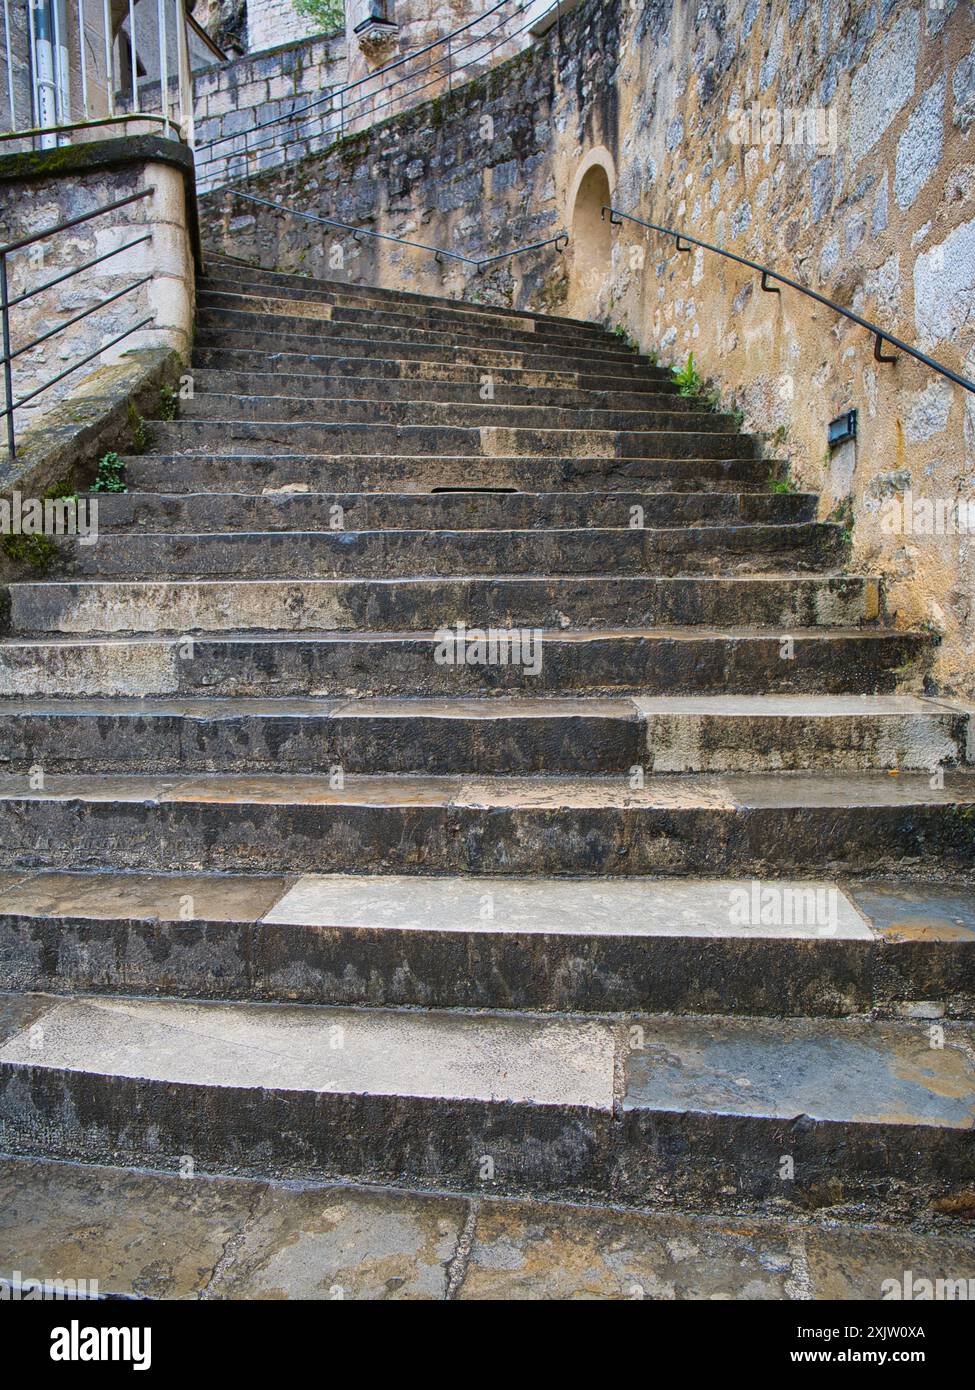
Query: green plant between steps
x,y
168,403
782,486
692,385
37,552
111,474
141,436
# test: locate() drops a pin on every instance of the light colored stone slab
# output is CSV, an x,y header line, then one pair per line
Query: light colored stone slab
x,y
440,1055
696,907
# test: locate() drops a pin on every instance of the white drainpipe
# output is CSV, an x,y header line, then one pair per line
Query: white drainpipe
x,y
49,66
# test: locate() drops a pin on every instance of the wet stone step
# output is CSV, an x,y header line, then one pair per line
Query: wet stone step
x,y
612,945
668,734
688,661
444,510
885,1120
788,824
413,603
388,553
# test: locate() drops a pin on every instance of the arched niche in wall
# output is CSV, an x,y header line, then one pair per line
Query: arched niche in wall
x,y
591,244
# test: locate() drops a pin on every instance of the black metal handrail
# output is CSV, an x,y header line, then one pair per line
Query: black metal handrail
x,y
880,335
339,93
7,303
438,252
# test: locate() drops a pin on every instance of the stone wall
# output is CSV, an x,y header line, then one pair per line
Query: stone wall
x,y
230,98
862,186
274,22
34,196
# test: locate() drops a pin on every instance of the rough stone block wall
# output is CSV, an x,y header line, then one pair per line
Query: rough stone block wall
x,y
832,141
33,202
274,22
230,98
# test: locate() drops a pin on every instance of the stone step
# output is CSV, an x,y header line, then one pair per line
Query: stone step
x,y
233,275
784,602
674,413
321,386
775,947
745,825
249,471
457,368
706,1109
371,1243
652,662
664,734
432,349
310,315
389,554
455,510
672,440
245,329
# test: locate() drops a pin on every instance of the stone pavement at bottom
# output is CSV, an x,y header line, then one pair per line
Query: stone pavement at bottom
x,y
163,1236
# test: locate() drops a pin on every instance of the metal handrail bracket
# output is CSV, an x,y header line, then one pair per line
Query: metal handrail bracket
x,y
880,335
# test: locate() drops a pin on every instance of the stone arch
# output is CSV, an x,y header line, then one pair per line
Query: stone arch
x,y
591,244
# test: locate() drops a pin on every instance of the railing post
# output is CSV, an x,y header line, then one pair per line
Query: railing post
x,y
163,62
109,58
134,57
187,115
7,373
450,85
83,53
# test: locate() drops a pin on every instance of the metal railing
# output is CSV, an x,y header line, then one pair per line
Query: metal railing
x,y
880,335
10,355
85,69
341,103
559,241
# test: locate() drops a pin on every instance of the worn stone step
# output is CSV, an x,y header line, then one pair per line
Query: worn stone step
x,y
217,470
784,602
377,1243
456,369
673,413
775,947
309,735
313,315
234,275
258,298
870,1113
446,350
454,510
387,553
319,386
784,824
663,734
484,441
243,329
368,298
654,662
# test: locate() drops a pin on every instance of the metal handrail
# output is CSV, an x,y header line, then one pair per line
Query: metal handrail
x,y
7,303
35,131
437,251
300,120
340,92
880,335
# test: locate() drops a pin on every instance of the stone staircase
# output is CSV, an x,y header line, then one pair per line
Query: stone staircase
x,y
674,909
